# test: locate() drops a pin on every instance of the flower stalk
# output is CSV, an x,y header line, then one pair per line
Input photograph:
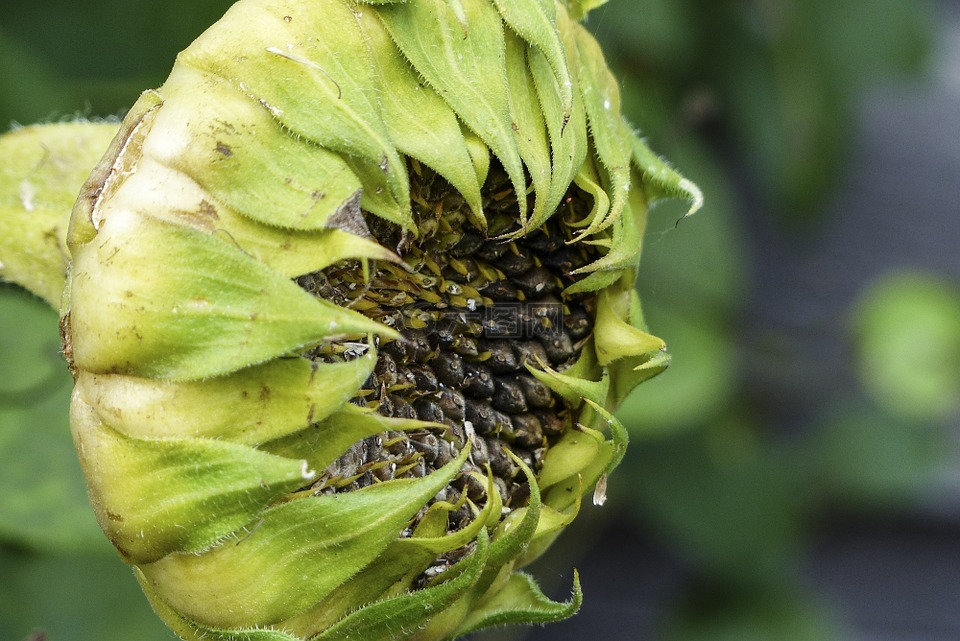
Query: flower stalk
x,y
350,304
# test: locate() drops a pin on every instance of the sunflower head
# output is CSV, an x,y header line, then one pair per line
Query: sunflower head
x,y
351,303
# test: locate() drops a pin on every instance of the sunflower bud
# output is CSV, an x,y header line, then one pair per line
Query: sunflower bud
x,y
350,305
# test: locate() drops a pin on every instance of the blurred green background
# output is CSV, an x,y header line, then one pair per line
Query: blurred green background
x,y
794,475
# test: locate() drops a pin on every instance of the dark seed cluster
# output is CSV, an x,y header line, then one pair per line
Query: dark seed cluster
x,y
475,310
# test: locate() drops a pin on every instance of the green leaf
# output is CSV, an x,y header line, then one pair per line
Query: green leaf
x,y
256,404
466,66
210,310
41,174
297,555
154,497
522,602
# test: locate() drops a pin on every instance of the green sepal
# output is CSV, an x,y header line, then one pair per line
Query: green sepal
x,y
573,389
420,123
521,602
393,573
615,338
154,497
624,244
130,177
611,137
42,171
580,8
257,404
619,439
289,252
243,157
530,132
535,22
566,129
466,66
515,532
660,180
297,554
609,453
114,167
293,254
575,451
463,536
594,282
480,156
552,523
311,69
253,634
588,180
211,310
322,443
629,372
401,617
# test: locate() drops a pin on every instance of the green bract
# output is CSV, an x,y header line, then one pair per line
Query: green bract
x,y
293,423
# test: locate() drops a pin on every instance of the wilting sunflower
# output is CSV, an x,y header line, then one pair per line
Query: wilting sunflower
x,y
351,302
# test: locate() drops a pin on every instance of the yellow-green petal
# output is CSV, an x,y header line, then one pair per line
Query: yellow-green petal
x,y
466,66
243,157
535,22
210,310
252,406
421,124
530,131
406,615
153,497
321,443
309,67
314,543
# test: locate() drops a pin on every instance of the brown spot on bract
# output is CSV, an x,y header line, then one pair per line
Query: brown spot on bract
x,y
224,149
207,210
